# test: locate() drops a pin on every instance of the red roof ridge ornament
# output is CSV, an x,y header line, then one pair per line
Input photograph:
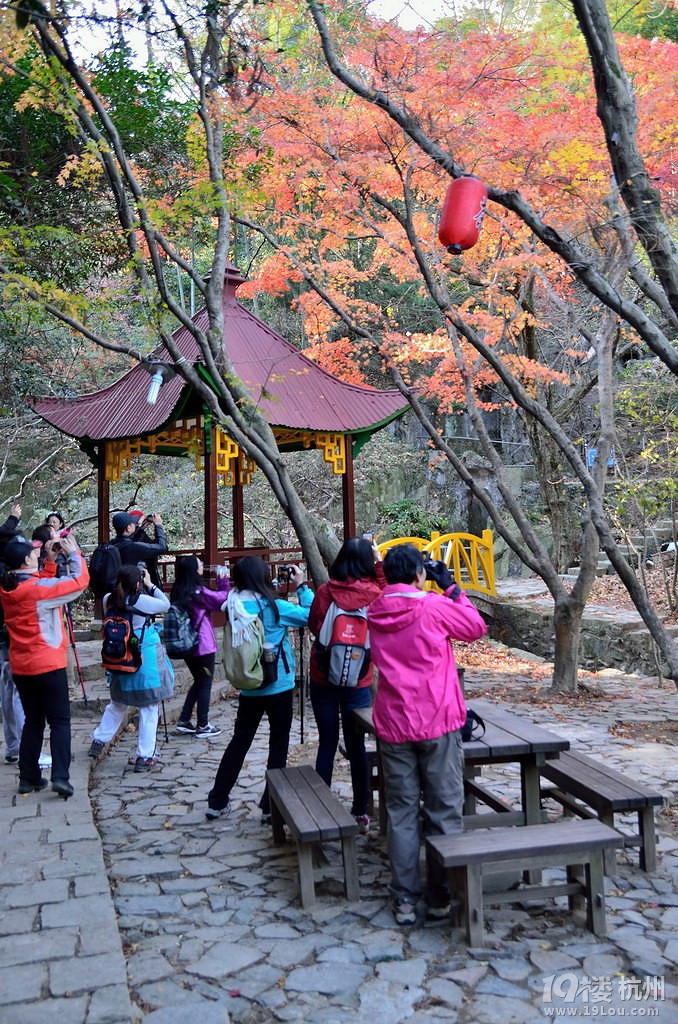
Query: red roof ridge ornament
x,y
462,214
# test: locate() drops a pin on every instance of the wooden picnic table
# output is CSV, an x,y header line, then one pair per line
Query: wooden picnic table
x,y
508,738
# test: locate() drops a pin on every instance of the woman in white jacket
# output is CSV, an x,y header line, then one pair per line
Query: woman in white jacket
x,y
153,681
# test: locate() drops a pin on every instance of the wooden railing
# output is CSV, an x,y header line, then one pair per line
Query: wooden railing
x,y
469,558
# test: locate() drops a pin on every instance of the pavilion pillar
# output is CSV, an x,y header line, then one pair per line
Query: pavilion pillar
x,y
347,490
238,509
103,497
211,504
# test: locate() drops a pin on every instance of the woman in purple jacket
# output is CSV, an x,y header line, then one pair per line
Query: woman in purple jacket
x,y
191,595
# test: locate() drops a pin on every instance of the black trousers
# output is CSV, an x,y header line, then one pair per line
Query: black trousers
x,y
45,699
201,667
251,710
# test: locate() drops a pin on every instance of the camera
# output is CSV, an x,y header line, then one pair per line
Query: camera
x,y
284,573
368,536
431,564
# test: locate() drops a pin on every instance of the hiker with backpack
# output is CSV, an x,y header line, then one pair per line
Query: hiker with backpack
x,y
32,602
340,668
123,550
194,602
418,715
140,673
253,602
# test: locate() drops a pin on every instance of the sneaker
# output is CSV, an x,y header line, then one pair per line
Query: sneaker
x,y
363,822
405,912
45,761
186,727
26,787
96,748
11,758
144,764
438,913
218,812
265,819
207,730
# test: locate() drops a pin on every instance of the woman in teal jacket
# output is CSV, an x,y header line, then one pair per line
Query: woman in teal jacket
x,y
253,596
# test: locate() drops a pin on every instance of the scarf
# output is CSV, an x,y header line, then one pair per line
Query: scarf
x,y
240,619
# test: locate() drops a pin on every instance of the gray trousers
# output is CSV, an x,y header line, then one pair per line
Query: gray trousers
x,y
432,770
12,708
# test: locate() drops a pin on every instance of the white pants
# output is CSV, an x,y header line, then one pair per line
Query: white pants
x,y
112,719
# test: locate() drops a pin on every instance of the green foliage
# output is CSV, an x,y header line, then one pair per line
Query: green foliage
x,y
647,405
151,121
406,518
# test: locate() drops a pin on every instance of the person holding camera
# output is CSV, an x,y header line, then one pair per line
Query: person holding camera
x,y
190,595
252,596
418,714
142,536
356,579
32,603
135,594
133,548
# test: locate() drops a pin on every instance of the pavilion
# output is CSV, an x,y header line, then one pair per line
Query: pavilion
x,y
306,406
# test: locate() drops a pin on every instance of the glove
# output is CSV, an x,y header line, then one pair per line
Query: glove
x,y
440,574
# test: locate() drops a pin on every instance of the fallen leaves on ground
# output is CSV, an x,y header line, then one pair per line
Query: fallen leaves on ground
x,y
611,592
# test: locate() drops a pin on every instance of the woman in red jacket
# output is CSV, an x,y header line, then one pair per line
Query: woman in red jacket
x,y
356,579
32,602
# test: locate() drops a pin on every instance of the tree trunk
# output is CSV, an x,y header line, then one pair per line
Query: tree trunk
x,y
567,616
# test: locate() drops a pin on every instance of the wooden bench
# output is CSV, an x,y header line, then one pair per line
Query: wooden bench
x,y
302,801
578,777
572,844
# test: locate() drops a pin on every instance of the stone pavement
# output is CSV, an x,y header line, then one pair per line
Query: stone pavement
x,y
134,906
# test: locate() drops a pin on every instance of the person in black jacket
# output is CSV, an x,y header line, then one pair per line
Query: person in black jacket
x,y
134,551
141,534
12,708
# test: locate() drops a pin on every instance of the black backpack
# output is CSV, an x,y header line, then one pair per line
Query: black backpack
x,y
103,568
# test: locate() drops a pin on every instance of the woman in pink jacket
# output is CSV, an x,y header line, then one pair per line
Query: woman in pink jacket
x,y
418,714
190,594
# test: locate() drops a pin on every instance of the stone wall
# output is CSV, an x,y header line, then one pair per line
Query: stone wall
x,y
610,638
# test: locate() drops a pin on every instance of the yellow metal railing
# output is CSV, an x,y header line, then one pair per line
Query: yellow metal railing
x,y
469,558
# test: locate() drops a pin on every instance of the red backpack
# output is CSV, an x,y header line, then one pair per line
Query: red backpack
x,y
343,645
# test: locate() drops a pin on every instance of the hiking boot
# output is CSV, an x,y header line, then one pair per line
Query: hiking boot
x,y
95,749
144,764
207,731
26,786
218,812
404,911
186,727
62,787
363,823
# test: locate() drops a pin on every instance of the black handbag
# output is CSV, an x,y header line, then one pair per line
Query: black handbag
x,y
473,728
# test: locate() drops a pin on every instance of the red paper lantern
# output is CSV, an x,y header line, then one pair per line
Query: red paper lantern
x,y
462,214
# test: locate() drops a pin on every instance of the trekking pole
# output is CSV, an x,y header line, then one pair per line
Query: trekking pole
x,y
301,683
164,721
71,637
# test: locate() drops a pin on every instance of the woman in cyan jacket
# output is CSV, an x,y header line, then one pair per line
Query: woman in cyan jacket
x,y
32,603
356,579
253,596
190,594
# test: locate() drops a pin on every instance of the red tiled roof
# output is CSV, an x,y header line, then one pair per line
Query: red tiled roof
x,y
303,396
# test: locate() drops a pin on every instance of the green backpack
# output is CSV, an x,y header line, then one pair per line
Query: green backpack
x,y
243,665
